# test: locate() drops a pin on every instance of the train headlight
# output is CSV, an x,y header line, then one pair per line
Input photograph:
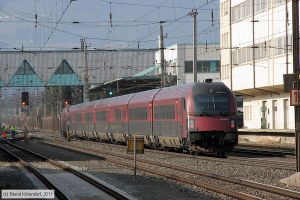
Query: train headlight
x,y
232,124
191,123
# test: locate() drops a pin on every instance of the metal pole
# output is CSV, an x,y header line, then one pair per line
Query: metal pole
x,y
286,37
86,71
194,14
134,155
162,55
253,42
230,36
295,7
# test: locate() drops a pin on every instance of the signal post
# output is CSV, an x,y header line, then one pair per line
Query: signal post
x,y
295,92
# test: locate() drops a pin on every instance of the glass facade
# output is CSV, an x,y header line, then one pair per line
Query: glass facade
x,y
203,66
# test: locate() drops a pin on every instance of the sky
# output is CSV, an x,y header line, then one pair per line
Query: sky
x,y
104,23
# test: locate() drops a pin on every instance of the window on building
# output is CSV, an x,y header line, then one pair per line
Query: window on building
x,y
225,72
188,66
248,112
277,2
234,57
264,4
244,10
226,7
225,40
203,66
222,8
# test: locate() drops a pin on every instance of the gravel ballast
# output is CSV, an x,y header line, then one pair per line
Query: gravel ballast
x,y
260,174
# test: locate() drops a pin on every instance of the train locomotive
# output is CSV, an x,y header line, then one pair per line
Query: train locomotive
x,y
190,117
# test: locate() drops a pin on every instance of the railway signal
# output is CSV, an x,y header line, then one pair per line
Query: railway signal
x,y
25,98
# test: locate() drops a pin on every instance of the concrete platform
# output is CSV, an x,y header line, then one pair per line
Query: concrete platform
x,y
267,132
276,137
293,180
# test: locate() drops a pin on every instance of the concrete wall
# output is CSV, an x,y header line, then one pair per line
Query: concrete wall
x,y
256,103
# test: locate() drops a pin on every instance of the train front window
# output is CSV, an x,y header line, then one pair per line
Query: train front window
x,y
212,104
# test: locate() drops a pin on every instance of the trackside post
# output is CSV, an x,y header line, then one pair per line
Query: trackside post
x,y
135,145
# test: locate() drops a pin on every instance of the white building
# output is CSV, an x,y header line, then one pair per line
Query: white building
x,y
179,62
256,51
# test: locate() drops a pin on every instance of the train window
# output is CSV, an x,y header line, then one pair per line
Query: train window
x,y
78,117
164,112
101,116
212,104
118,114
88,117
138,114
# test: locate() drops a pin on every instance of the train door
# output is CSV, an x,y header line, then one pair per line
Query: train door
x,y
286,107
183,117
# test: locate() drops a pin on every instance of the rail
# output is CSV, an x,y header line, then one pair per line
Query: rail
x,y
112,192
247,183
58,193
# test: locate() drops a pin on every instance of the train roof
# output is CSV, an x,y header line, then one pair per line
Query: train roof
x,y
120,100
144,97
178,91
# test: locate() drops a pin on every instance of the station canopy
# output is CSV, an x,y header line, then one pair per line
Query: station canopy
x,y
128,85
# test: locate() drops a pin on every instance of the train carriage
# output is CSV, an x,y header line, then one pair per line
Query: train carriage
x,y
169,124
199,116
118,117
140,114
101,119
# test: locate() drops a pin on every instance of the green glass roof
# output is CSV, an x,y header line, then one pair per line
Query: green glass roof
x,y
25,76
1,83
64,80
64,68
64,76
25,81
148,71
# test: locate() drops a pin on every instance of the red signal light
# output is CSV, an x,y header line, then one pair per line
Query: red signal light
x,y
23,103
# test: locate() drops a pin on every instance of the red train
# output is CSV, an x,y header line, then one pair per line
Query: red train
x,y
200,116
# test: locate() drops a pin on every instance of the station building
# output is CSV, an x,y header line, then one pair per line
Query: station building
x,y
256,52
103,65
179,62
52,77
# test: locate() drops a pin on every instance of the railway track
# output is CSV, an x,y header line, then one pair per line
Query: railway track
x,y
232,158
263,151
46,168
216,183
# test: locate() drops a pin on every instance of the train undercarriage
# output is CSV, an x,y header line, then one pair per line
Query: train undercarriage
x,y
213,142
